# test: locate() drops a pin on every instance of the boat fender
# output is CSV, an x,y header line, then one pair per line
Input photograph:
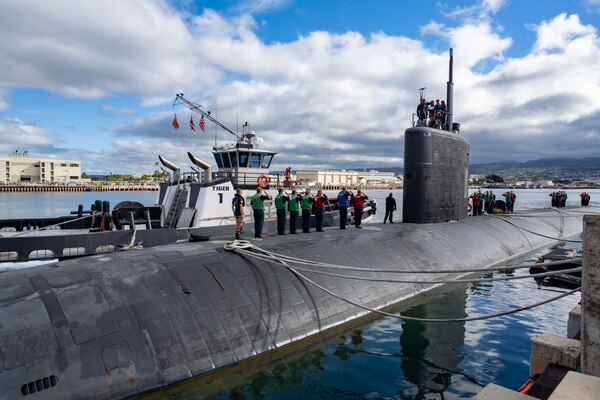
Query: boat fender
x,y
262,180
526,387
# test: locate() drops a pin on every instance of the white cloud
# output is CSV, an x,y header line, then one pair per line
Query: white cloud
x,y
17,134
70,48
323,99
259,6
560,32
117,110
592,5
483,9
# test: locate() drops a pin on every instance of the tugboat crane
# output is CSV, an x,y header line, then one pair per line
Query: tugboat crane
x,y
179,99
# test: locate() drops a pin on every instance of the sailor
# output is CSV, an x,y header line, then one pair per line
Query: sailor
x,y
475,197
513,198
281,205
258,207
486,201
563,198
319,206
492,202
421,112
480,207
431,113
390,207
553,197
237,206
306,203
508,201
358,200
438,114
342,201
294,206
444,113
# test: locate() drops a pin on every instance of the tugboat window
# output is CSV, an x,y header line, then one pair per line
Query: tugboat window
x,y
226,162
255,160
218,160
267,160
233,157
243,159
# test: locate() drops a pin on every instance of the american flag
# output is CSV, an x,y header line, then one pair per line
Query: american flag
x,y
202,124
192,123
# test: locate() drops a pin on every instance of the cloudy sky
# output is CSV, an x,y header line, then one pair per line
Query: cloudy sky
x,y
325,83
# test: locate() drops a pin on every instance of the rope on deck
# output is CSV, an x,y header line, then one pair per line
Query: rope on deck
x,y
243,247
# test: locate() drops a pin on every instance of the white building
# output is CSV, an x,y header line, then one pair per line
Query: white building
x,y
379,178
327,178
20,167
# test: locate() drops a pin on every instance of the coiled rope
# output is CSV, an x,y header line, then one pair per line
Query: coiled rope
x,y
239,245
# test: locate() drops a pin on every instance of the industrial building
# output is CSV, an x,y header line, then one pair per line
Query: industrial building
x,y
327,179
21,167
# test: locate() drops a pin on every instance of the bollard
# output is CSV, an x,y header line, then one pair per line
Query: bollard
x,y
590,303
147,218
131,218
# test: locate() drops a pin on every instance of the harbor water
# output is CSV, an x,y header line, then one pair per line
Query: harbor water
x,y
387,358
51,204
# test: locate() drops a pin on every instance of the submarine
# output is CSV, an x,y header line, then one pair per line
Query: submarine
x,y
120,324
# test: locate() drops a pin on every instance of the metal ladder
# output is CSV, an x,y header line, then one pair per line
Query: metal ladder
x,y
176,208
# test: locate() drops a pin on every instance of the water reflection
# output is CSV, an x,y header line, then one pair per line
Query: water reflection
x,y
429,350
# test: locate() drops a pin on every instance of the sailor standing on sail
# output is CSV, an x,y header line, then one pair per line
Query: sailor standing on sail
x,y
306,203
342,201
258,207
320,200
281,204
237,206
294,206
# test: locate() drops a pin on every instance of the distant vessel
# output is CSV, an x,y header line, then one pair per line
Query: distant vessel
x,y
191,205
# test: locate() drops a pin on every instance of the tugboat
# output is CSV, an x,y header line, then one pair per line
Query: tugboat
x,y
192,205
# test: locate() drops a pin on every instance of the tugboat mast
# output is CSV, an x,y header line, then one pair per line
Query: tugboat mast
x,y
179,99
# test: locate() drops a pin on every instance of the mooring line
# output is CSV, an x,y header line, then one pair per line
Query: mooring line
x,y
233,247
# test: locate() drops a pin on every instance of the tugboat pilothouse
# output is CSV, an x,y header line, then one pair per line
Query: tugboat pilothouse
x,y
203,198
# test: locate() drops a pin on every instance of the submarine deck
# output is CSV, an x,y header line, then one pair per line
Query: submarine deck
x,y
113,325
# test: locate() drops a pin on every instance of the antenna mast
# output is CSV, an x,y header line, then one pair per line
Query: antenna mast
x,y
450,95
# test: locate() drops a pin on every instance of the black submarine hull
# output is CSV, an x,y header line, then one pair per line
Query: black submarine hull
x,y
115,325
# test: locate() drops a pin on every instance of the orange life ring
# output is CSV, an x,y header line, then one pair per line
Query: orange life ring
x,y
262,180
469,207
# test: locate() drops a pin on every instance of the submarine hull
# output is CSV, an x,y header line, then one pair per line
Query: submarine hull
x,y
112,326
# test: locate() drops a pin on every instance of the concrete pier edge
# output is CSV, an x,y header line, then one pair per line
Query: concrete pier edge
x,y
590,304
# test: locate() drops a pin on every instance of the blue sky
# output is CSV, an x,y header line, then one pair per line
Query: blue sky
x,y
327,84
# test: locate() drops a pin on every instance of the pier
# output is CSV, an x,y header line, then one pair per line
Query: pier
x,y
104,187
568,368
